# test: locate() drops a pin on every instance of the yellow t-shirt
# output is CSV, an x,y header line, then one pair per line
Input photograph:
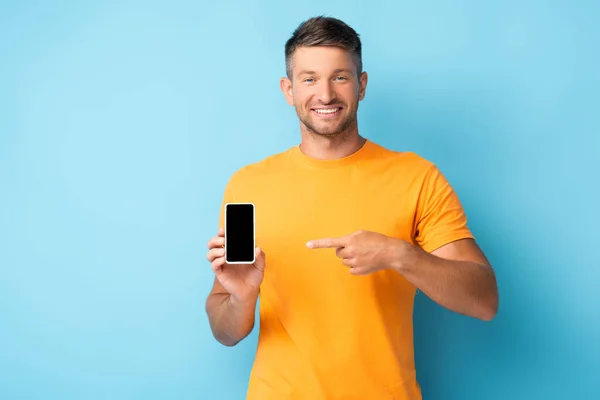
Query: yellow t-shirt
x,y
324,333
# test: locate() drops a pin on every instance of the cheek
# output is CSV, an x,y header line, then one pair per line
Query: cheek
x,y
302,95
349,94
302,99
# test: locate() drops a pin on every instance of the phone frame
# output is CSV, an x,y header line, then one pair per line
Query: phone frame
x,y
253,232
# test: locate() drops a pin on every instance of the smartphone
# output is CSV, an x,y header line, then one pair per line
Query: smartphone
x,y
240,237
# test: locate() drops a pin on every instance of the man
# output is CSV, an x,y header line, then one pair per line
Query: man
x,y
346,232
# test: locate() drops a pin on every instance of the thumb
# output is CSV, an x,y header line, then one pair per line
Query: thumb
x,y
260,259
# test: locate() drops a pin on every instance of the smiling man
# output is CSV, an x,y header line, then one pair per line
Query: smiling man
x,y
347,231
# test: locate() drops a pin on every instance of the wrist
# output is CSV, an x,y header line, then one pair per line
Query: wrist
x,y
245,301
404,256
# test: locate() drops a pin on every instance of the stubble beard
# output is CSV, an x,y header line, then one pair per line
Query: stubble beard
x,y
340,129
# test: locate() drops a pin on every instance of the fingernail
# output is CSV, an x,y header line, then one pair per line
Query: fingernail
x,y
309,244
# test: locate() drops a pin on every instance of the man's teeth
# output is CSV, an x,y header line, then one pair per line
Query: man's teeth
x,y
326,110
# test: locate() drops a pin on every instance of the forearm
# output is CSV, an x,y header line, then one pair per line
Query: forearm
x,y
230,320
464,287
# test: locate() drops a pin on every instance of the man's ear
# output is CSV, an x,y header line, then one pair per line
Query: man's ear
x,y
362,87
286,88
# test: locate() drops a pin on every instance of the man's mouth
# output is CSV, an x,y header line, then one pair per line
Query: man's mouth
x,y
327,111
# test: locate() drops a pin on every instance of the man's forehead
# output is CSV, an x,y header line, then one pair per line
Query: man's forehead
x,y
322,59
320,51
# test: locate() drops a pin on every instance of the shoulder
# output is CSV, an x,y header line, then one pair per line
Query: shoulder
x,y
260,169
405,162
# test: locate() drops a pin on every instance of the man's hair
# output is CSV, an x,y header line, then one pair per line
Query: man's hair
x,y
324,31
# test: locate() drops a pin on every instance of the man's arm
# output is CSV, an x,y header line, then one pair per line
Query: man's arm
x,y
457,276
230,320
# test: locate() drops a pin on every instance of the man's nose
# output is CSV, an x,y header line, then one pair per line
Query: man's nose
x,y
325,92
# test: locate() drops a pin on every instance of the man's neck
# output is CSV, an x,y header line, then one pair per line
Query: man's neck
x,y
324,148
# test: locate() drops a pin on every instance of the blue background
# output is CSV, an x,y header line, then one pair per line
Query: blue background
x,y
120,124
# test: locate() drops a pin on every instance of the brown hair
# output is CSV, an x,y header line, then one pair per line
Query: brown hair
x,y
324,31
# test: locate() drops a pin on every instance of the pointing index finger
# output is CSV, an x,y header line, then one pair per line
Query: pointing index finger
x,y
325,243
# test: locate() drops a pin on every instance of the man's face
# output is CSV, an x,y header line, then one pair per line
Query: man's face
x,y
324,89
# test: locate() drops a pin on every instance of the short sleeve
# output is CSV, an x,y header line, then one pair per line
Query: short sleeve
x,y
227,197
222,211
440,216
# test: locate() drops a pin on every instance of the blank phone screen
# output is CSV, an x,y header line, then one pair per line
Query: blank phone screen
x,y
239,233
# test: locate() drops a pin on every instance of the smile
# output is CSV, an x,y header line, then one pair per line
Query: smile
x,y
327,112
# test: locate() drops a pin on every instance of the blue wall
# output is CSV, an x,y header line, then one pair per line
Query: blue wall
x,y
120,124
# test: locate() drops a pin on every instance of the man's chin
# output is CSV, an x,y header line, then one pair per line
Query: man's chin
x,y
327,130
329,133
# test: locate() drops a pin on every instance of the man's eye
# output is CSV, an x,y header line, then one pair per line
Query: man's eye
x,y
308,80
341,78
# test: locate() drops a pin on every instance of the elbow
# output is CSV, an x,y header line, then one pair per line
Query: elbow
x,y
488,316
228,342
491,301
490,308
230,338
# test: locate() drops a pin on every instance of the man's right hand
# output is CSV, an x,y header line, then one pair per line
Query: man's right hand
x,y
241,281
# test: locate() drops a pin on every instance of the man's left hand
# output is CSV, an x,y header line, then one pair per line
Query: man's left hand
x,y
363,251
